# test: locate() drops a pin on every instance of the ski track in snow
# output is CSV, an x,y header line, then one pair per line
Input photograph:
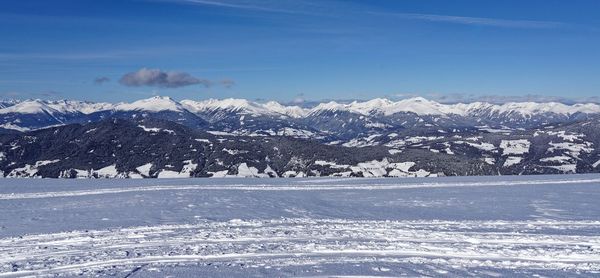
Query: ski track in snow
x,y
546,245
270,187
556,235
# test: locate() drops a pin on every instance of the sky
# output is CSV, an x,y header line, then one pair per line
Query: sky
x,y
300,50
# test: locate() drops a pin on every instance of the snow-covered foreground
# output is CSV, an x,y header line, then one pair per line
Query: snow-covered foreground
x,y
473,226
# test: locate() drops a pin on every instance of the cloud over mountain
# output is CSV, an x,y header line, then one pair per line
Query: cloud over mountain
x,y
227,83
161,79
101,80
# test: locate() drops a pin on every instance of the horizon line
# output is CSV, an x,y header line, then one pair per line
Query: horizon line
x,y
307,103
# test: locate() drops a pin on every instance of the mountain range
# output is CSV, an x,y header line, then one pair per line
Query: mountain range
x,y
161,137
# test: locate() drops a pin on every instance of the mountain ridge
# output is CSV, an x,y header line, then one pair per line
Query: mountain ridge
x,y
67,111
237,137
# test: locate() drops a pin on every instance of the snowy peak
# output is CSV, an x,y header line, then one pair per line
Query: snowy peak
x,y
378,106
55,107
85,107
153,104
379,112
422,106
386,107
29,107
533,108
230,104
291,111
331,106
243,106
371,106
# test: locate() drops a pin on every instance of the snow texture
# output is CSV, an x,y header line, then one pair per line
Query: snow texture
x,y
510,147
545,226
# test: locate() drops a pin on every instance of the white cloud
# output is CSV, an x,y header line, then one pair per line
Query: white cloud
x,y
162,79
484,21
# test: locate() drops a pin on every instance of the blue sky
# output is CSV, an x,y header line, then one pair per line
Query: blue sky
x,y
289,50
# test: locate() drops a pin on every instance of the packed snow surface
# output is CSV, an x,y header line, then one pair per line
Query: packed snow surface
x,y
469,226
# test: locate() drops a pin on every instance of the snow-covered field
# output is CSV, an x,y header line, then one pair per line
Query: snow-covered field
x,y
467,226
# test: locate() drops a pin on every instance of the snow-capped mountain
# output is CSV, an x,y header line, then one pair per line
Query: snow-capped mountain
x,y
243,117
329,119
217,107
422,106
154,104
385,107
162,137
146,147
163,108
36,114
332,121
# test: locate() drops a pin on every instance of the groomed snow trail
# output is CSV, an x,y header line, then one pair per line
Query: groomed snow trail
x,y
275,187
547,245
450,227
